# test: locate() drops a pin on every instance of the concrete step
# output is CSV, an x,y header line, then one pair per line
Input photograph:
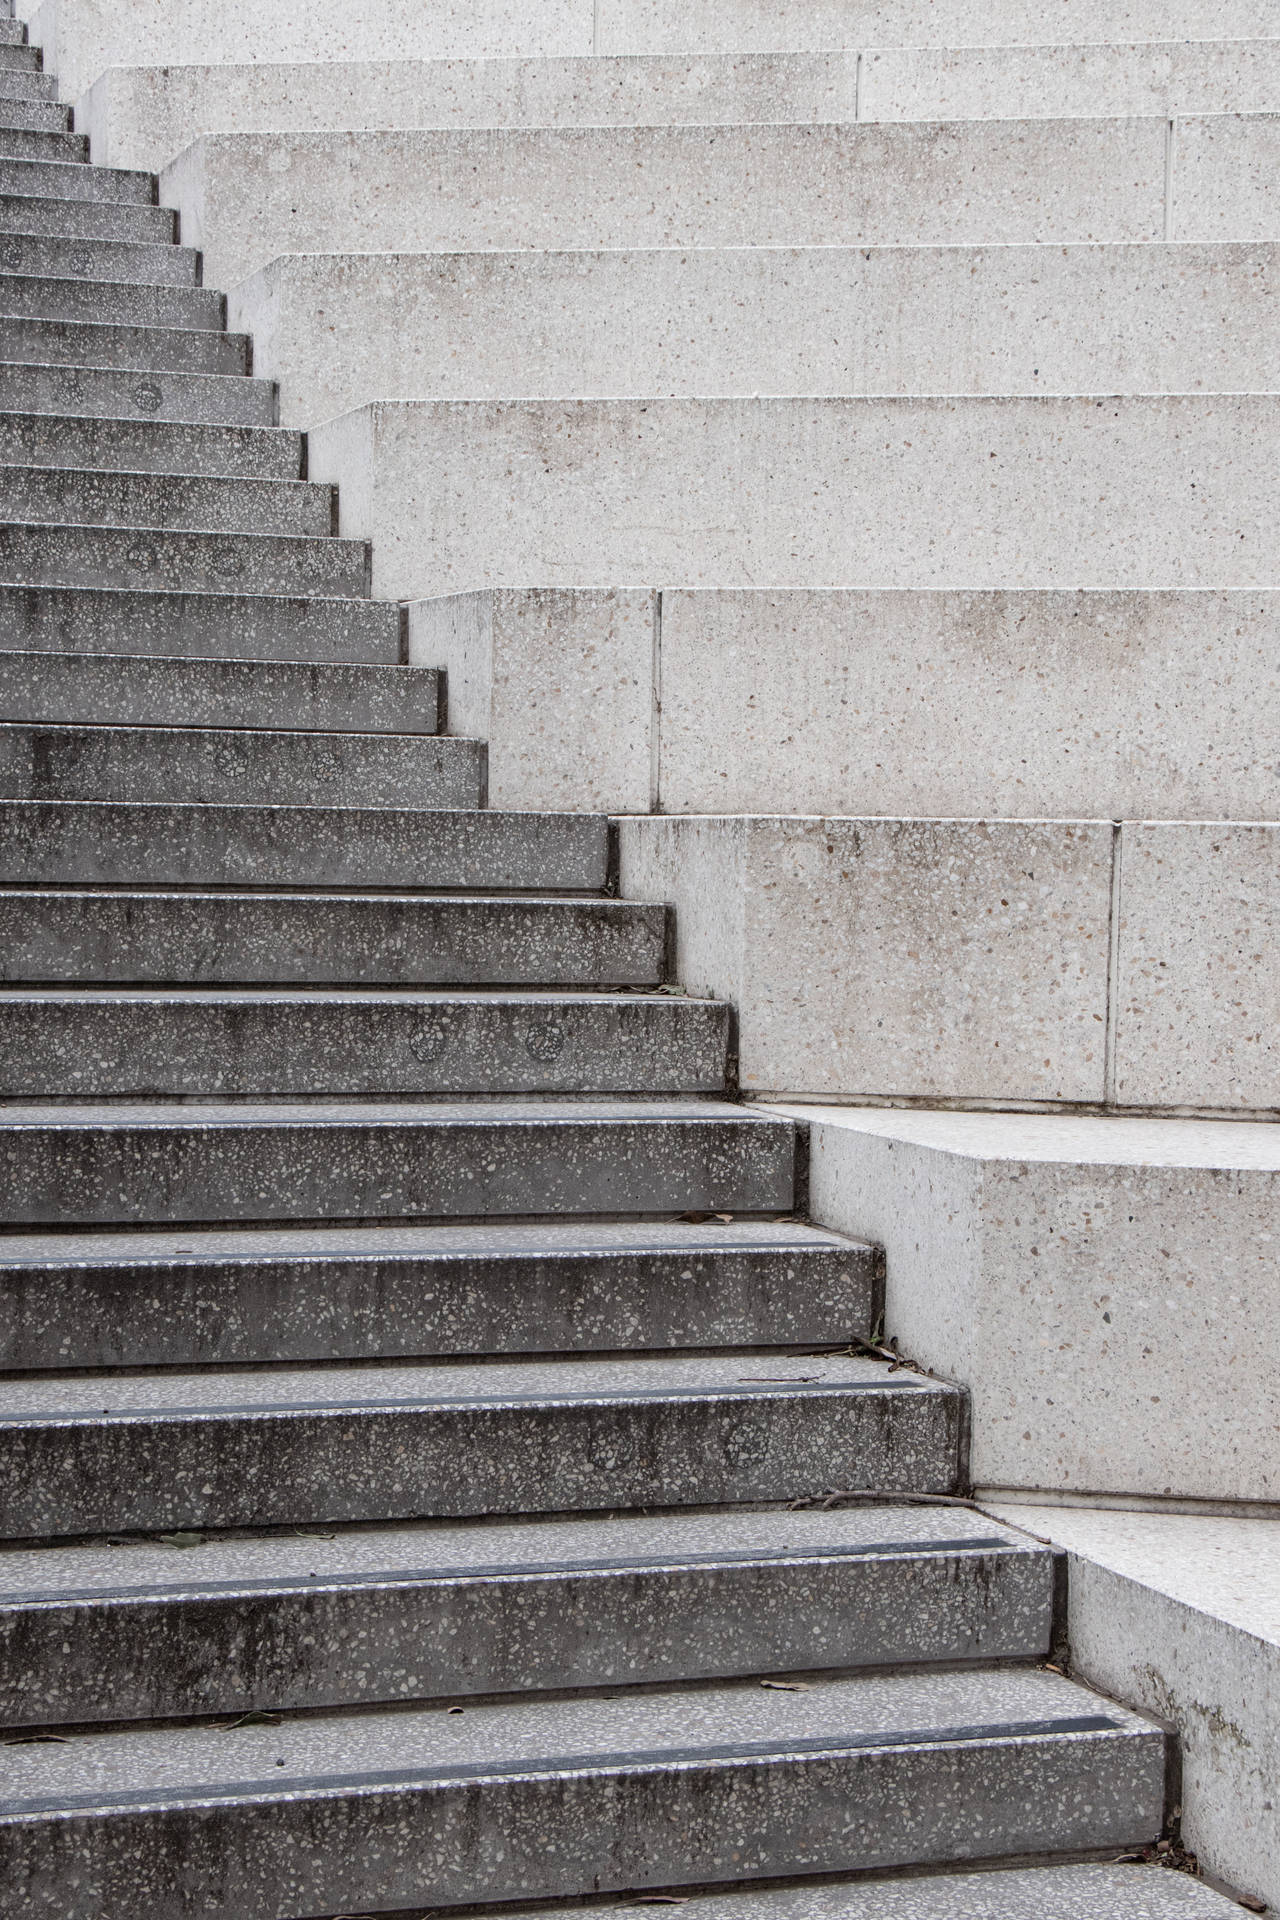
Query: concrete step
x,y
50,180
247,199
413,1613
543,1798
44,116
31,296
152,691
379,1293
89,843
39,141
412,1160
234,1045
226,766
141,349
64,496
24,213
335,939
27,86
257,627
132,557
1094,1892
119,394
306,1446
973,494
15,55
335,331
13,33
114,260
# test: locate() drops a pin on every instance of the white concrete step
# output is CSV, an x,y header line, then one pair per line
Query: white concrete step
x,y
335,331
941,493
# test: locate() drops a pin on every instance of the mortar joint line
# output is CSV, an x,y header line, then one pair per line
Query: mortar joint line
x,y
1113,964
655,709
857,86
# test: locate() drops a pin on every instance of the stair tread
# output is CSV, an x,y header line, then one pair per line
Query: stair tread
x,y
170,1765
477,1549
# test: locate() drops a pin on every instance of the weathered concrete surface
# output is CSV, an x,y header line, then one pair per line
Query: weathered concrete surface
x,y
987,494
1107,1288
336,331
246,198
1132,705
921,958
1181,1616
227,626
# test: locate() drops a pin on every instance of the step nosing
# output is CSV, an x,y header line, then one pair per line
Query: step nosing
x,y
266,1791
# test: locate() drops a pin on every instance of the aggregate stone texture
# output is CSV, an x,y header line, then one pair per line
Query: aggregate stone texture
x,y
43,253
422,1612
126,1165
68,842
374,1810
46,299
303,1446
253,629
44,342
64,183
181,560
226,766
79,438
205,504
84,219
371,1293
309,939
188,1044
214,399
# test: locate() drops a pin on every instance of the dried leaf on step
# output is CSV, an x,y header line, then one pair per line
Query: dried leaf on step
x,y
39,1740
788,1686
181,1539
254,1719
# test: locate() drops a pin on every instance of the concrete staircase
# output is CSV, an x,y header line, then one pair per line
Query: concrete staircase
x,y
423,1390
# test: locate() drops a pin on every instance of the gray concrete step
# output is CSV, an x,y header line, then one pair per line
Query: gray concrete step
x,y
91,843
299,1446
199,502
114,689
28,213
413,1613
361,1813
132,557
226,766
259,627
40,140
335,939
381,1293
141,349
309,1045
113,260
413,1160
13,33
147,446
109,303
15,55
120,394
28,86
53,180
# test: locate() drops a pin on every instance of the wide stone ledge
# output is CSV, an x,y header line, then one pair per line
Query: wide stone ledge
x,y
1149,492
338,330
1120,705
1105,1287
1181,1615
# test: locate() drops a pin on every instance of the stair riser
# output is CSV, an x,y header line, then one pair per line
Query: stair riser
x,y
149,446
41,140
236,630
367,1050
380,1641
213,939
388,1306
64,497
99,260
378,1844
64,844
16,57
103,303
87,220
180,562
94,1175
28,86
252,1468
122,395
48,342
98,186
63,690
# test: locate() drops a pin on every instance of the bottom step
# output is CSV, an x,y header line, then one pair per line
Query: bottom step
x,y
376,1812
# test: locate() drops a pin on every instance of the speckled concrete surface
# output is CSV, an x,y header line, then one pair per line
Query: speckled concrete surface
x,y
343,1293
46,296
107,343
182,561
248,627
84,220
46,253
313,938
451,1611
55,438
383,1044
69,842
295,1446
731,1781
228,767
213,399
204,503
